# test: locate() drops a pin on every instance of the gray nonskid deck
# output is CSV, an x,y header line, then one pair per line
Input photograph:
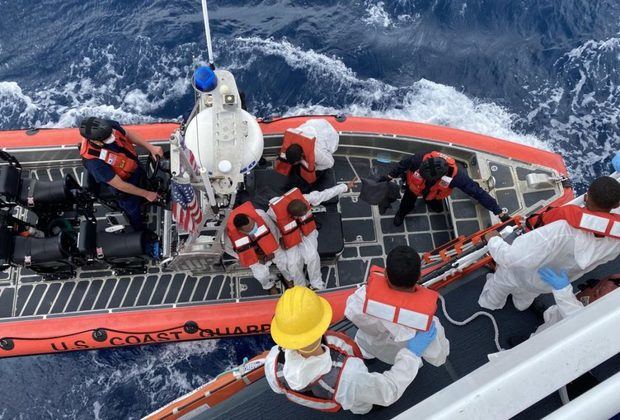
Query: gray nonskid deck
x,y
368,238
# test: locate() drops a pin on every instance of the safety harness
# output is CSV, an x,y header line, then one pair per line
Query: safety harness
x,y
293,229
599,223
124,163
441,189
307,167
249,247
321,393
410,309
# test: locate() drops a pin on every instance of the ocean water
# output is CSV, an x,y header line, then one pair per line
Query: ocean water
x,y
539,72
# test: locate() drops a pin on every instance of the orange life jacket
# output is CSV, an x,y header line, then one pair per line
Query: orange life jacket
x,y
307,166
598,289
599,223
248,247
123,163
441,189
290,227
320,394
410,309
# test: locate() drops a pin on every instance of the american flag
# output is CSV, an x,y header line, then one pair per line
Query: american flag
x,y
185,208
192,160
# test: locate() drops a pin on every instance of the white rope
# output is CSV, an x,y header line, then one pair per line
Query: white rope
x,y
471,318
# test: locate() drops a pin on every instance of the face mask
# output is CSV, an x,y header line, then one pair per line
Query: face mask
x,y
300,371
254,230
110,139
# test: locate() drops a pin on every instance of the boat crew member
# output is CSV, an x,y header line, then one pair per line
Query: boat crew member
x,y
252,238
392,308
566,302
323,369
306,153
109,154
433,177
292,214
575,238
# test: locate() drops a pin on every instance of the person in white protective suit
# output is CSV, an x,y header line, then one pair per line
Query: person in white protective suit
x,y
252,238
293,217
392,309
326,143
323,369
574,238
566,302
306,154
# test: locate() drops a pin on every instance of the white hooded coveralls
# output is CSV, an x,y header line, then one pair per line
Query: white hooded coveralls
x,y
566,304
358,389
384,339
556,245
261,271
307,251
326,143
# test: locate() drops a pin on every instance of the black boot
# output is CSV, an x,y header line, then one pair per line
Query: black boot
x,y
398,219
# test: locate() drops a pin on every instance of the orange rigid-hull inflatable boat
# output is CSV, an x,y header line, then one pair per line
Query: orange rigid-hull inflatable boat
x,y
111,300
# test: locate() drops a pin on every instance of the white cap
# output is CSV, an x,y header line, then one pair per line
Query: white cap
x,y
224,89
224,166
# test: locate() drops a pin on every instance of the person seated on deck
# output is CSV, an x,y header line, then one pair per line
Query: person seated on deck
x,y
323,369
307,153
109,154
392,308
295,223
575,238
433,176
252,238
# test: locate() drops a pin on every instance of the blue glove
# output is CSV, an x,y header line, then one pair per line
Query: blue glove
x,y
616,162
556,280
418,344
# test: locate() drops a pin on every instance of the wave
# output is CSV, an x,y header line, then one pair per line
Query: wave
x,y
579,112
423,101
571,115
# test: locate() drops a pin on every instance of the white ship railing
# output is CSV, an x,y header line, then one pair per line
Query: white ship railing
x,y
518,378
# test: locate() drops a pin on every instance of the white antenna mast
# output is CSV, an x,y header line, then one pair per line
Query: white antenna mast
x,y
205,16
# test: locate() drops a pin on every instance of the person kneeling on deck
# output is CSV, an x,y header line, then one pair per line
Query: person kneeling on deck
x,y
252,238
323,369
292,214
109,154
392,308
575,238
306,152
433,176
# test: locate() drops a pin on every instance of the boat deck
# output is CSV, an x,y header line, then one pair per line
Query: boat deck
x,y
469,346
368,237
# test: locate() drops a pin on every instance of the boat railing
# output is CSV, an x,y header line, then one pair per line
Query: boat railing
x,y
515,379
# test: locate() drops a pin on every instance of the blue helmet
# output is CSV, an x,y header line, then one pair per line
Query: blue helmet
x,y
205,79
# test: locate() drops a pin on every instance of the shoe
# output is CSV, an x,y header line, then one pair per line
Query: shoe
x,y
435,206
398,220
274,290
286,284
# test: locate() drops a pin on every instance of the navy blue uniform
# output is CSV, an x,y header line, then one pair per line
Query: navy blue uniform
x,y
103,173
461,181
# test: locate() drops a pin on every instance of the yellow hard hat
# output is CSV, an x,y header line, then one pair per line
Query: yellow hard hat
x,y
301,318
